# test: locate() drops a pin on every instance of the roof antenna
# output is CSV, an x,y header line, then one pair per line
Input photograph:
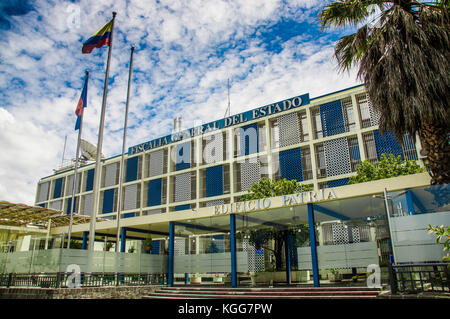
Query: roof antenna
x,y
64,151
228,110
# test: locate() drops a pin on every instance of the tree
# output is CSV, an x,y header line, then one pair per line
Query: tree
x,y
404,62
260,238
387,167
441,234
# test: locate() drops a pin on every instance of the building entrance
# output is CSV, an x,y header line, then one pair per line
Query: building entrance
x,y
326,243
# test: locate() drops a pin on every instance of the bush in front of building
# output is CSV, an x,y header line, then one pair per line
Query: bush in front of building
x,y
387,167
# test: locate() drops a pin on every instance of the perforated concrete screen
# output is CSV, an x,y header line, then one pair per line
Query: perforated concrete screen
x,y
130,197
182,187
87,207
214,181
289,129
155,165
337,156
70,183
213,148
110,174
43,191
250,172
387,143
332,118
56,205
291,164
215,202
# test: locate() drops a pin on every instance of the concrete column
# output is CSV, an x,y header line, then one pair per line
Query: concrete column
x,y
312,237
171,254
123,239
85,240
233,250
287,247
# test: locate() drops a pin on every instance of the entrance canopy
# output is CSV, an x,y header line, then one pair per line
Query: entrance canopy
x,y
12,214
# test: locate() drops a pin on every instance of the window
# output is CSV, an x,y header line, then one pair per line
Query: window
x,y
370,148
274,134
304,134
349,118
317,123
369,116
320,160
353,148
306,163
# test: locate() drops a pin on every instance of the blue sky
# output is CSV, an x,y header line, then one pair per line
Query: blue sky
x,y
185,52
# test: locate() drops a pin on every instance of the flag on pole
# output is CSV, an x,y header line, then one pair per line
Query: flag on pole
x,y
100,38
82,103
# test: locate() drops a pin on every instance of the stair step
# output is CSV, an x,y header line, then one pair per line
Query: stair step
x,y
280,294
277,290
159,295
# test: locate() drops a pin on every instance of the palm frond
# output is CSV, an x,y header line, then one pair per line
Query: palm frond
x,y
344,13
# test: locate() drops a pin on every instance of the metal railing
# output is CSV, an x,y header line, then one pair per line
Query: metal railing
x,y
415,278
62,280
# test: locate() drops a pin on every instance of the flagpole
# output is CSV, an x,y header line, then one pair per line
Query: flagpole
x,y
75,177
97,172
122,161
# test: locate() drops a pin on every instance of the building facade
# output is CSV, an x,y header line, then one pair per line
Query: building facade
x,y
317,141
184,191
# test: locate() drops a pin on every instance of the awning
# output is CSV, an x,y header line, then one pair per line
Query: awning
x,y
21,215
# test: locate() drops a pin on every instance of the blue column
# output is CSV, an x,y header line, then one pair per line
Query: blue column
x,y
287,248
85,240
171,254
233,250
123,239
409,202
186,278
312,238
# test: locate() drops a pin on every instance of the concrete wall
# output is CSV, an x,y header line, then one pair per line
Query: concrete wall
x,y
130,292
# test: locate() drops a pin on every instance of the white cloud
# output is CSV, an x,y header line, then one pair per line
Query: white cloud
x,y
185,52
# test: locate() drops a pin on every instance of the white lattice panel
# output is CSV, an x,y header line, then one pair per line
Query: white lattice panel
x,y
43,191
374,114
56,205
70,183
255,262
87,207
213,150
250,173
130,197
337,156
179,246
153,211
289,129
110,174
155,166
215,202
182,187
340,234
356,235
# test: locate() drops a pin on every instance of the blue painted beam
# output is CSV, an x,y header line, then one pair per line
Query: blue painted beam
x,y
85,240
288,258
171,254
410,202
143,231
330,213
123,239
312,238
233,250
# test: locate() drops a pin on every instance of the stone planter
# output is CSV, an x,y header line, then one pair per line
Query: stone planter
x,y
279,276
335,277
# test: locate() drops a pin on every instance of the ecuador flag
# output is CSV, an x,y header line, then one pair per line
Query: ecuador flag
x,y
82,103
100,38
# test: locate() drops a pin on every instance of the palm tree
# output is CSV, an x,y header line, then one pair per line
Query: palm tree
x,y
403,57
